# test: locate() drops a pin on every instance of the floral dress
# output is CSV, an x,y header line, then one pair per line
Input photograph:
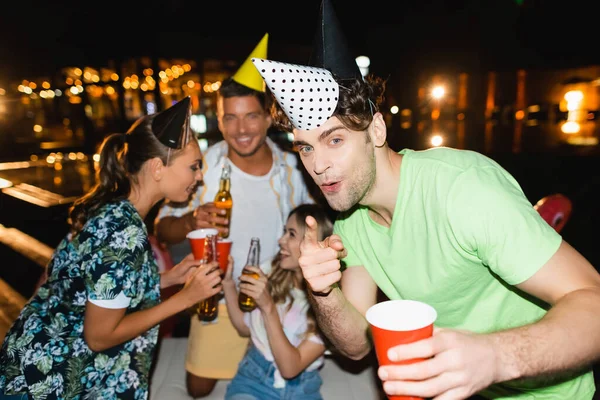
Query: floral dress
x,y
45,354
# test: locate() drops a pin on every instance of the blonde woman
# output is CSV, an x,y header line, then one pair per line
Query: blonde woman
x,y
285,351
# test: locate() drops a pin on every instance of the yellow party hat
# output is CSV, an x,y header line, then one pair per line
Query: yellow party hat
x,y
247,75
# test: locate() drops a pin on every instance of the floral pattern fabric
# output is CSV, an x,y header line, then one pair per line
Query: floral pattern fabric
x,y
45,354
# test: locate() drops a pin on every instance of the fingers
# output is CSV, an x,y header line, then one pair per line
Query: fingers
x,y
424,348
209,214
314,270
229,271
310,234
255,269
426,388
324,283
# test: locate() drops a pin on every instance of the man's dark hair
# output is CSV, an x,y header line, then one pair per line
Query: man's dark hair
x,y
230,88
359,100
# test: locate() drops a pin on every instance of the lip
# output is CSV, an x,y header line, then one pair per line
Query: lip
x,y
331,187
244,140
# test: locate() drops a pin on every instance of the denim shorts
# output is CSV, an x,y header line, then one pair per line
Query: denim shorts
x,y
255,378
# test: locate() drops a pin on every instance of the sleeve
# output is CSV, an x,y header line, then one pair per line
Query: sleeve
x,y
492,219
169,209
351,259
112,270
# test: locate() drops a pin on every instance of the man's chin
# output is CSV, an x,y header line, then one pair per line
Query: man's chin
x,y
337,205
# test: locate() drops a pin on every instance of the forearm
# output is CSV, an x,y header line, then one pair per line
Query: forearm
x,y
173,230
286,356
236,315
134,324
565,340
343,325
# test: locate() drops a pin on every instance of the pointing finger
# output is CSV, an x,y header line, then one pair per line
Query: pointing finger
x,y
310,233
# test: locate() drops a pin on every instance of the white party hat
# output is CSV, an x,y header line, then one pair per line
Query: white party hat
x,y
307,95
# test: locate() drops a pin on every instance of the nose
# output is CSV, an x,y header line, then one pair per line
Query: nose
x,y
321,163
282,240
199,175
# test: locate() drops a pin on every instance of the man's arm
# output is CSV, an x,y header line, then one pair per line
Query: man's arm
x,y
568,337
172,230
341,313
565,340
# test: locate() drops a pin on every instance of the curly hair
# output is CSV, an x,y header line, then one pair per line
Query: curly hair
x,y
358,101
282,281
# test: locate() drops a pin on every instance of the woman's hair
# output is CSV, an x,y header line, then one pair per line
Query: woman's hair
x,y
122,156
358,101
281,281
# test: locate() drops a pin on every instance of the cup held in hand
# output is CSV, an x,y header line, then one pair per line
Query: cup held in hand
x,y
396,322
196,239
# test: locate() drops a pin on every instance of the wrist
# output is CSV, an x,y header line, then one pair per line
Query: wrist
x,y
165,281
325,292
189,221
505,364
269,310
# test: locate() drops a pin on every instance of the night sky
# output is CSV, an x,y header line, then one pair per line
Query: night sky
x,y
40,36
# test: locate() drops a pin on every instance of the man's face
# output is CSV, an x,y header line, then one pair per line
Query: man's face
x,y
341,162
243,123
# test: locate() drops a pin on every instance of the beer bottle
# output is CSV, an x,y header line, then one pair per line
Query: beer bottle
x,y
246,302
208,309
223,198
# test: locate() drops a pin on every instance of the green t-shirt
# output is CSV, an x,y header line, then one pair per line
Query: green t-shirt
x,y
462,233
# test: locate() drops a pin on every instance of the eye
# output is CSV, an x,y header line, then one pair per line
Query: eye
x,y
292,234
304,149
336,141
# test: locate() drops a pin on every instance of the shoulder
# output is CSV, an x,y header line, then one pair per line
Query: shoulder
x,y
119,217
447,157
214,153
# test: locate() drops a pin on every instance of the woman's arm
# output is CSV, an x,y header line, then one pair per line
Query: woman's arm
x,y
104,328
290,360
236,315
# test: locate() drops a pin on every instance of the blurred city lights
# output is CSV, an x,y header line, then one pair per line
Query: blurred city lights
x,y
438,92
437,140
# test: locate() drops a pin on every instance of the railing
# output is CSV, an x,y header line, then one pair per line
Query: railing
x,y
11,301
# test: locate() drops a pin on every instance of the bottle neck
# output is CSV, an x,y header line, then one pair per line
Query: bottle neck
x,y
210,249
253,255
224,185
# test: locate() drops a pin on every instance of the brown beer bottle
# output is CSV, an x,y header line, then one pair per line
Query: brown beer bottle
x,y
223,198
246,302
208,309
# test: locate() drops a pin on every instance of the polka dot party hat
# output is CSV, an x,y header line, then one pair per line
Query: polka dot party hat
x,y
307,95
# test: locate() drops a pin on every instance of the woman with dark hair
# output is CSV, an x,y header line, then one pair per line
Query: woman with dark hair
x,y
90,331
286,350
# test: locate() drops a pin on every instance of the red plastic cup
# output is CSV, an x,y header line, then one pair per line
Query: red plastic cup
x,y
196,239
223,250
396,322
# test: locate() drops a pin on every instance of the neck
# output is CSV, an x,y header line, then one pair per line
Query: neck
x,y
257,164
381,199
143,200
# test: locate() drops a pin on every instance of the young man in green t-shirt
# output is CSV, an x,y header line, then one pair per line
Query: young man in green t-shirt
x,y
517,304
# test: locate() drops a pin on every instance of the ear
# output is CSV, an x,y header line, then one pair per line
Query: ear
x,y
378,130
156,168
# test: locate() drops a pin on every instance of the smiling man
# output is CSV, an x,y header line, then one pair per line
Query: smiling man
x,y
265,186
518,306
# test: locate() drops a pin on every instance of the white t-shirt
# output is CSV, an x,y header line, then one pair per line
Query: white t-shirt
x,y
261,204
295,325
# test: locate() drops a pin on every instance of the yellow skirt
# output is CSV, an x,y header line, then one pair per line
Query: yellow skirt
x,y
214,349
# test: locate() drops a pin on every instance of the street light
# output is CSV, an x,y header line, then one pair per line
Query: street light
x,y
438,92
363,63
